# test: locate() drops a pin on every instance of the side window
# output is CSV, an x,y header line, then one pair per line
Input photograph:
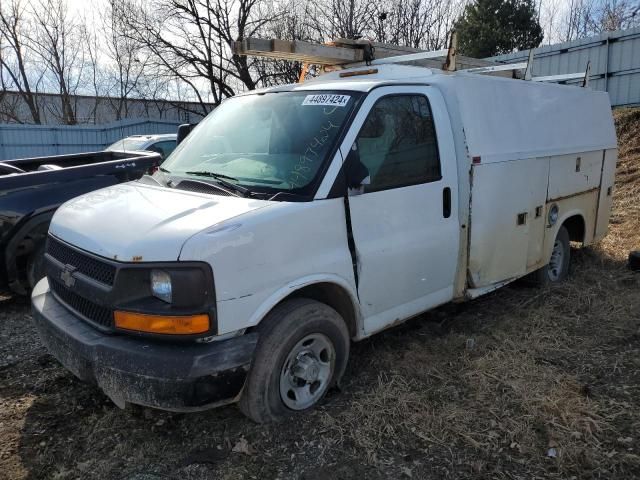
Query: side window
x,y
163,148
397,143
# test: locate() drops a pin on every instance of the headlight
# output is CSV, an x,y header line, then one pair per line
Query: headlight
x,y
161,285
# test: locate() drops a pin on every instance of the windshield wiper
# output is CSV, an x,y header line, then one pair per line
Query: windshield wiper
x,y
221,180
164,170
281,196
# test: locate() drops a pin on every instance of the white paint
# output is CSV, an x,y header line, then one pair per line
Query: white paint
x,y
270,253
499,247
508,119
406,250
409,258
571,174
606,193
137,220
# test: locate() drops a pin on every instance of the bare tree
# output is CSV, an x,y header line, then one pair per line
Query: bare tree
x,y
16,72
619,15
352,19
56,40
189,41
421,24
95,82
293,23
128,57
584,18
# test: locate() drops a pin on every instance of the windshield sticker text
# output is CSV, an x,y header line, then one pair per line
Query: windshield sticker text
x,y
327,100
300,173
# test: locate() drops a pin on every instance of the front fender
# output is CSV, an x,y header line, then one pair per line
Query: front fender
x,y
266,255
286,291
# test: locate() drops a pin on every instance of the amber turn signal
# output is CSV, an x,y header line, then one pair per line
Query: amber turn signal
x,y
170,325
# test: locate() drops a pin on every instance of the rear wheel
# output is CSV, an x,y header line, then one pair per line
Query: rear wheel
x,y
302,351
557,269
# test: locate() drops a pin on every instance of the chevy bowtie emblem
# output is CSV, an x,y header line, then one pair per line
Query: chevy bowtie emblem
x,y
67,276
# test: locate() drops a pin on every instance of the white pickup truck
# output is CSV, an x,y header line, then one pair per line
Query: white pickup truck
x,y
296,219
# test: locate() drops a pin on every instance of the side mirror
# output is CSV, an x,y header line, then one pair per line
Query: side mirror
x,y
183,131
356,171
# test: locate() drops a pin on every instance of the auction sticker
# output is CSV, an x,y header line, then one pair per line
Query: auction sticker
x,y
326,99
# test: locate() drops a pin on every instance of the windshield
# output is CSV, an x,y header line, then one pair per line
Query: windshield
x,y
127,144
269,142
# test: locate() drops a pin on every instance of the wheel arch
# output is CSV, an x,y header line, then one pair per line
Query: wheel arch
x,y
331,290
575,226
23,242
574,217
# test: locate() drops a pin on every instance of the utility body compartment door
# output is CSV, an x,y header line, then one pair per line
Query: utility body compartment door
x,y
507,219
404,220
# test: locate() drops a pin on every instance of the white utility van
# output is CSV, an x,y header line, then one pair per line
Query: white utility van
x,y
296,219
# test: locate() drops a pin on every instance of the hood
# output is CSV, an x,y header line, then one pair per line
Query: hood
x,y
139,222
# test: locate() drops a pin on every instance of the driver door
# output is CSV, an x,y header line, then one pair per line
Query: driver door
x,y
404,215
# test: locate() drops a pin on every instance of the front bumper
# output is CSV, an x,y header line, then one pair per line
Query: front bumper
x,y
170,376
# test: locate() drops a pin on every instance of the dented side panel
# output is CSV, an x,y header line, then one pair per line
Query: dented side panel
x,y
264,256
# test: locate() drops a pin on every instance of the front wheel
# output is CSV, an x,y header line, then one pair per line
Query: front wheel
x,y
302,351
557,269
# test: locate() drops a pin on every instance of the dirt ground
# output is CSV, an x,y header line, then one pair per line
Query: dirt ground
x,y
520,384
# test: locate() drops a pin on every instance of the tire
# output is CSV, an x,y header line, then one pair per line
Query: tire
x,y
35,266
302,352
557,269
634,260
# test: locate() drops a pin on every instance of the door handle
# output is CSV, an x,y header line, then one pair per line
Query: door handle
x,y
446,202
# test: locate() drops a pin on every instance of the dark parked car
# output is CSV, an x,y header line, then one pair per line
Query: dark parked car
x,y
32,189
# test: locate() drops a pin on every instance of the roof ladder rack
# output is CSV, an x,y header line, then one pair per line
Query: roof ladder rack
x,y
450,62
497,68
346,53
528,73
410,57
506,67
567,76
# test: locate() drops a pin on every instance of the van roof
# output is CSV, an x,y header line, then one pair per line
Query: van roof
x,y
385,74
503,118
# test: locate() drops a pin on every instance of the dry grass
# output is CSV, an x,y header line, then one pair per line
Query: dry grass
x,y
625,222
532,382
488,389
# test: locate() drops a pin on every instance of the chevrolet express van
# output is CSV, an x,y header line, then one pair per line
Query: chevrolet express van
x,y
297,219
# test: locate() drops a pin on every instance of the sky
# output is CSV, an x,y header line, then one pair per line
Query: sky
x,y
85,7
82,6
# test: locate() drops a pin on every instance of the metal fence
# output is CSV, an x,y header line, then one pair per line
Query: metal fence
x,y
615,63
23,141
